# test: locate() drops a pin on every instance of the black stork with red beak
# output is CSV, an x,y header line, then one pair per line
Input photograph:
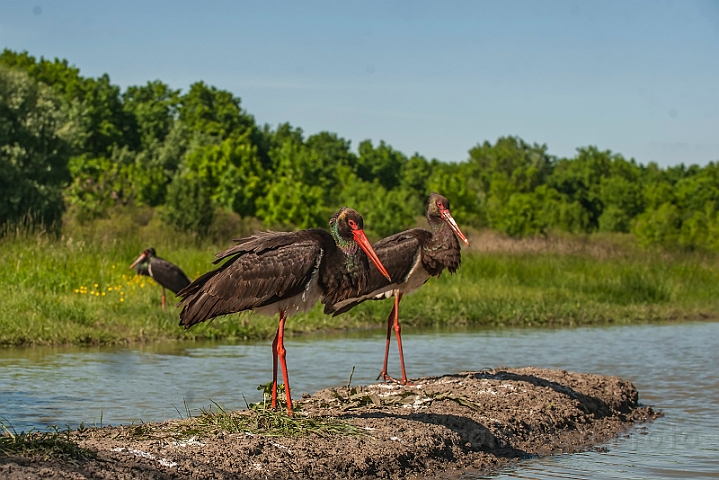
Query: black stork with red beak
x,y
167,274
284,273
411,258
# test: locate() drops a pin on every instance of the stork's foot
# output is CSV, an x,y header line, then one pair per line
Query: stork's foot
x,y
384,376
387,378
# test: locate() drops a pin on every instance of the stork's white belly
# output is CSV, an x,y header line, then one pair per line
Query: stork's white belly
x,y
416,278
302,302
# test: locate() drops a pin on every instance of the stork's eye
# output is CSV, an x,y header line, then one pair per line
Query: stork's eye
x,y
439,204
352,224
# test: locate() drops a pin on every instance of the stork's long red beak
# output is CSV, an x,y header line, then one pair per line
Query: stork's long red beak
x,y
364,244
453,225
139,259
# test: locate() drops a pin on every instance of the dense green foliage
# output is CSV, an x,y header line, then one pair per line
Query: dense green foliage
x,y
196,154
33,151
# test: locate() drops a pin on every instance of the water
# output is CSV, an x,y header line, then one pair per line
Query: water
x,y
673,366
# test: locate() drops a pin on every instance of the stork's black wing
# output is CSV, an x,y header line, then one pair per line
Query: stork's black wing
x,y
168,274
264,269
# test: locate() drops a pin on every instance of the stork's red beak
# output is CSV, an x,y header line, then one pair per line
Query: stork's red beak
x,y
139,259
447,217
364,244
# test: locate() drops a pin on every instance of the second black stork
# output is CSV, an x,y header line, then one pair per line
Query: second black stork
x,y
411,257
284,273
167,274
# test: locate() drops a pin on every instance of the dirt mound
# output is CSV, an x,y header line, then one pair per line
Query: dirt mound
x,y
439,427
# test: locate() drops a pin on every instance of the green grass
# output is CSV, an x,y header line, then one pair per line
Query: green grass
x,y
261,420
51,444
258,419
77,289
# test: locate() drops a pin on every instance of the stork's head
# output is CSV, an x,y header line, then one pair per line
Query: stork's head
x,y
438,211
347,227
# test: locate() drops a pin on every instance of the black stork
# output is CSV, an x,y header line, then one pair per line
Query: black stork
x,y
284,273
411,257
167,274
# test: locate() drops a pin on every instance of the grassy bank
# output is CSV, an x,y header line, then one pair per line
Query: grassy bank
x,y
78,290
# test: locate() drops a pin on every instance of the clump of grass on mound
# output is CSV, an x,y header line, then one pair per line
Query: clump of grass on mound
x,y
260,419
52,444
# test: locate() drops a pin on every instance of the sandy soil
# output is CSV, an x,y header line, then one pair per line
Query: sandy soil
x,y
440,427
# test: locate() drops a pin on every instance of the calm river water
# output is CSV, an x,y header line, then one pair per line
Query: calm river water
x,y
674,366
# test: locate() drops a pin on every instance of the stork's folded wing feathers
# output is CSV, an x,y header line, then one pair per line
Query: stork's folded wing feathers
x,y
260,242
266,268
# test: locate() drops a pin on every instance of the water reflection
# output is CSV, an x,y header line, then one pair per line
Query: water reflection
x,y
673,366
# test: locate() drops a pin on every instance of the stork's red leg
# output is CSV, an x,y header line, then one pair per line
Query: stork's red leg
x,y
274,368
398,333
282,353
163,298
383,374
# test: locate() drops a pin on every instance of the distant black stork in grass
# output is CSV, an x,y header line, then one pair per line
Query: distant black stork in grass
x,y
167,274
284,273
411,258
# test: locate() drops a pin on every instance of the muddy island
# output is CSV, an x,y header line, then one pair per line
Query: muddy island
x,y
439,427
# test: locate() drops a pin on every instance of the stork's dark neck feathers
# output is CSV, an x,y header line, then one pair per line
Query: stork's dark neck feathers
x,y
348,246
442,249
344,270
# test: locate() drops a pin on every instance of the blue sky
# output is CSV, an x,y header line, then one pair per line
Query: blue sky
x,y
637,77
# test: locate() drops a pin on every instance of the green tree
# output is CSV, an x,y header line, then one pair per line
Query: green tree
x,y
382,163
415,174
659,226
189,207
231,171
454,182
35,136
156,165
385,212
214,112
524,167
154,107
103,121
100,183
289,202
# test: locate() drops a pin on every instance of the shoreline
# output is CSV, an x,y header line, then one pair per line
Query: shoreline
x,y
439,427
267,328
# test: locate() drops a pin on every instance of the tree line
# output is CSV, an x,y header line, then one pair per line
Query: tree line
x,y
76,145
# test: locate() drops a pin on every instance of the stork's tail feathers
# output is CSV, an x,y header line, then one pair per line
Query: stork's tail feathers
x,y
190,297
